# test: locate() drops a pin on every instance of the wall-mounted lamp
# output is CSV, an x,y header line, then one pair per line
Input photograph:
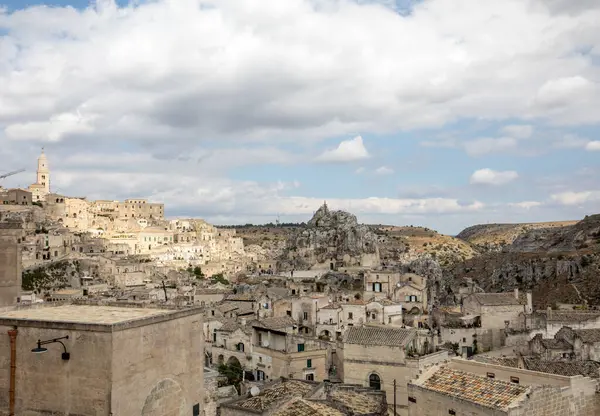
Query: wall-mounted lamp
x,y
40,350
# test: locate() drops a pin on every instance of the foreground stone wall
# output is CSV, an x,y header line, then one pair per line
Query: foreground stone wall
x,y
158,370
46,384
10,266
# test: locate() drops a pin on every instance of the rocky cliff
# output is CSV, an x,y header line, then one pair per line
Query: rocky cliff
x,y
557,263
331,239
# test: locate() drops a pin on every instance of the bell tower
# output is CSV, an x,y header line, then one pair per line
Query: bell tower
x,y
43,172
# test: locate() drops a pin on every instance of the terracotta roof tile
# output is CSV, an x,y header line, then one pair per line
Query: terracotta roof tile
x,y
477,389
275,323
497,299
375,335
564,368
588,335
301,407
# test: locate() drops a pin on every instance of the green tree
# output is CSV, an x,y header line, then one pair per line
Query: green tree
x,y
198,272
233,372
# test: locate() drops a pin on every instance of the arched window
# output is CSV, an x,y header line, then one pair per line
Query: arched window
x,y
375,382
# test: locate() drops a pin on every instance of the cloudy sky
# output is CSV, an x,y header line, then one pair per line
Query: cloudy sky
x,y
442,113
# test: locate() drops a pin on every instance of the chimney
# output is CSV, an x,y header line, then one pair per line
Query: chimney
x,y
243,321
517,294
549,314
529,303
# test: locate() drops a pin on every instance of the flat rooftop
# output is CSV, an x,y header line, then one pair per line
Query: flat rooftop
x,y
91,315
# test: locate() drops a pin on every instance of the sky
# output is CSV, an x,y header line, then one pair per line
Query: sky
x,y
437,113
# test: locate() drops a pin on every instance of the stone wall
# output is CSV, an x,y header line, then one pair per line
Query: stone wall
x,y
429,403
46,384
159,369
10,266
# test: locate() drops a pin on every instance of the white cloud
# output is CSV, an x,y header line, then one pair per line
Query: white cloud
x,y
384,170
359,170
347,151
593,146
483,146
194,72
492,177
525,204
570,141
576,198
519,131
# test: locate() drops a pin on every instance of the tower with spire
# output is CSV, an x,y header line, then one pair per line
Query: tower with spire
x,y
41,187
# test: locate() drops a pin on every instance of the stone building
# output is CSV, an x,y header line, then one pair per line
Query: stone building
x,y
375,356
585,342
466,387
303,309
290,355
497,310
550,348
115,361
409,289
41,187
549,322
15,196
10,262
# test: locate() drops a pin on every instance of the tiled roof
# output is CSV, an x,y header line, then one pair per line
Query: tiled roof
x,y
375,335
505,361
271,395
476,389
301,407
358,403
556,344
331,306
229,325
245,297
588,335
568,316
564,368
496,299
280,322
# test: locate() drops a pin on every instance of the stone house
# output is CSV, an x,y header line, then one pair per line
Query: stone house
x,y
302,309
106,360
550,349
291,355
585,342
497,310
232,342
549,322
467,387
375,356
328,322
15,197
384,311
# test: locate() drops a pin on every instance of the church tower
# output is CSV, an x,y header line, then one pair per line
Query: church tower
x,y
43,173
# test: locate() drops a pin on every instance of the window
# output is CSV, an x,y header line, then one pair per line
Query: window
x,y
464,340
373,316
310,377
514,380
309,363
305,315
491,375
375,382
376,287
300,347
213,313
293,291
349,315
260,342
240,347
451,412
412,399
289,313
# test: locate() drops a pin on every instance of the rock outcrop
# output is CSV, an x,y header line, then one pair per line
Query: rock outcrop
x,y
331,240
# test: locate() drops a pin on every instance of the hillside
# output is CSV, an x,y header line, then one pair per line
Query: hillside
x,y
558,263
408,243
493,237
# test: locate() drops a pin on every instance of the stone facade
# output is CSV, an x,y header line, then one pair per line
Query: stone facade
x,y
15,197
10,263
147,362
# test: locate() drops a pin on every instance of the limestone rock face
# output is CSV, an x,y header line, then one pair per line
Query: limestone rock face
x,y
331,238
